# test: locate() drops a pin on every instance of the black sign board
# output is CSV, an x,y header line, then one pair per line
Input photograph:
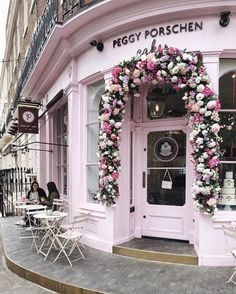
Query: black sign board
x,y
28,119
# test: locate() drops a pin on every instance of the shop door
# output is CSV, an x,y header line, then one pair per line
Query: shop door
x,y
164,185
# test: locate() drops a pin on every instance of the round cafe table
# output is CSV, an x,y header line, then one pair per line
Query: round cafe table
x,y
50,223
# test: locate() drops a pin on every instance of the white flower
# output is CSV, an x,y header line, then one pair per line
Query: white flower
x,y
200,88
199,96
208,113
200,103
198,80
170,65
163,73
174,79
174,70
205,132
192,85
199,141
143,57
202,110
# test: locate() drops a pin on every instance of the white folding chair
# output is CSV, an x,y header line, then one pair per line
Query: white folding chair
x,y
58,204
71,238
230,238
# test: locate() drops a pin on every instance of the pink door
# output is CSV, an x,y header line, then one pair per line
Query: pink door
x,y
165,184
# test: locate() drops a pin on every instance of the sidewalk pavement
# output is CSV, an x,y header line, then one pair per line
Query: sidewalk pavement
x,y
109,273
10,283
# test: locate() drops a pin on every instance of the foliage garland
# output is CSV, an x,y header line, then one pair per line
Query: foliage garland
x,y
183,71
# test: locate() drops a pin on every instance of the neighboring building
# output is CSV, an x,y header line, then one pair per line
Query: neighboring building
x,y
67,68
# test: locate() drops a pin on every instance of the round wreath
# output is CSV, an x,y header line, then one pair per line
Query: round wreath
x,y
183,71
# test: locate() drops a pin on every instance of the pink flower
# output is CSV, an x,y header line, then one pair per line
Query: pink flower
x,y
137,81
207,91
213,162
106,127
214,104
151,65
113,137
116,71
171,50
115,175
159,49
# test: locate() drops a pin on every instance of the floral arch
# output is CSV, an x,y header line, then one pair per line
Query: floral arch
x,y
183,71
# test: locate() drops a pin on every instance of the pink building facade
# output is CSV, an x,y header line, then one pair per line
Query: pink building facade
x,y
155,144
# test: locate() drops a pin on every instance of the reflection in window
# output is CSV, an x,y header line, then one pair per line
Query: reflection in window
x,y
95,92
161,102
227,95
62,162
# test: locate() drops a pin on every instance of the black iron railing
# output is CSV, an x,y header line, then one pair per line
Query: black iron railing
x,y
14,183
71,7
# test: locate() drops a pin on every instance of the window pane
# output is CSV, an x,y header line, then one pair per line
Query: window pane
x,y
227,94
64,148
93,136
95,92
158,195
156,144
92,182
161,102
65,180
65,119
228,136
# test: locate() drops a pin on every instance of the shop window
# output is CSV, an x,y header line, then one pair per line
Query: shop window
x,y
227,171
95,92
163,101
62,162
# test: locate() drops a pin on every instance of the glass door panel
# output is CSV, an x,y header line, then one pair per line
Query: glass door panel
x,y
166,156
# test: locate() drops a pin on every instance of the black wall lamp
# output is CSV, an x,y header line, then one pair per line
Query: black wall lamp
x,y
98,45
224,18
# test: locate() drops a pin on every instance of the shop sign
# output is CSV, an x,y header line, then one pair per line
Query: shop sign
x,y
166,149
28,119
160,31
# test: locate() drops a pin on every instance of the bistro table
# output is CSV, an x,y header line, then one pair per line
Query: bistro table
x,y
29,209
52,223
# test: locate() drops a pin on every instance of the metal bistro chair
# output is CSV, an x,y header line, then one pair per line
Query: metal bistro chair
x,y
230,238
71,238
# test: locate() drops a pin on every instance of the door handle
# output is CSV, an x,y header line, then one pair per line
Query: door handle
x,y
144,179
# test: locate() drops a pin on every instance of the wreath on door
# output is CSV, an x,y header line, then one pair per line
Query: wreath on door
x,y
182,70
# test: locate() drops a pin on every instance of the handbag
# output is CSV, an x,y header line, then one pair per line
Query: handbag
x,y
166,183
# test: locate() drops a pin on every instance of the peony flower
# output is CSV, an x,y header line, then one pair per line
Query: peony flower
x,y
215,128
211,202
136,73
105,117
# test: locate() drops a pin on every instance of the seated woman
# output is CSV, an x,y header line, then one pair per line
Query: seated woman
x,y
33,197
52,194
35,193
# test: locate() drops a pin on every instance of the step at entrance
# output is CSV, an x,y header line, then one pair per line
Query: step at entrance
x,y
156,249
